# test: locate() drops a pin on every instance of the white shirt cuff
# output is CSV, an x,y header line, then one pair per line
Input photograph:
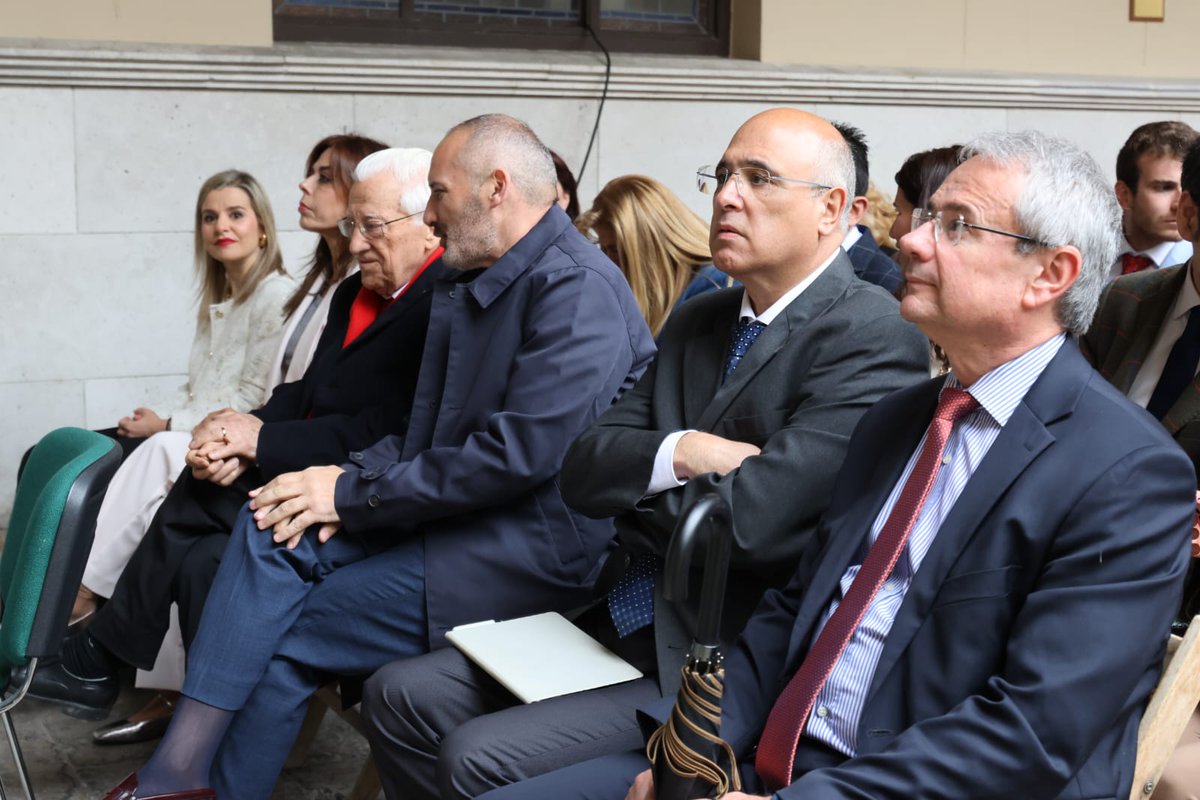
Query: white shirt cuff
x,y
663,475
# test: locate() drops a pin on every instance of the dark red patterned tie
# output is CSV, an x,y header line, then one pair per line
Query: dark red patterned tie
x,y
1132,262
781,735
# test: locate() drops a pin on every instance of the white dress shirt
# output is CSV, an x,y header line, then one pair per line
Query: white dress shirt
x,y
1172,327
662,477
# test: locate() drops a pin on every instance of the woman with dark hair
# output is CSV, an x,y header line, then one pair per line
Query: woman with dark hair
x,y
919,177
568,189
328,173
140,486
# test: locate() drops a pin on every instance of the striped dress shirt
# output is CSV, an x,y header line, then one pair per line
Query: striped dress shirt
x,y
835,715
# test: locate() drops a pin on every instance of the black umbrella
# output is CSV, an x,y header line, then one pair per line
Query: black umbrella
x,y
690,760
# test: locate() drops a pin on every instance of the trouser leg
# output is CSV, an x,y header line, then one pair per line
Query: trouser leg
x,y
357,618
194,581
256,598
135,619
409,707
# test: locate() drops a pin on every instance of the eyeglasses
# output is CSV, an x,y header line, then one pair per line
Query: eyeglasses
x,y
371,229
954,228
710,180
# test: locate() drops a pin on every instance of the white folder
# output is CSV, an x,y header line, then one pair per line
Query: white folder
x,y
541,656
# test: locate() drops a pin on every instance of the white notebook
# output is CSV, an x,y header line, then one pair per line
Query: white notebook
x,y
541,656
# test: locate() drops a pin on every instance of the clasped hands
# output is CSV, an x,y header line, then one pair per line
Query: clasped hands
x,y
223,446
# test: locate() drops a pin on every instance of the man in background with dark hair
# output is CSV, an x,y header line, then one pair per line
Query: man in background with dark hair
x,y
1146,335
1148,190
1146,340
870,263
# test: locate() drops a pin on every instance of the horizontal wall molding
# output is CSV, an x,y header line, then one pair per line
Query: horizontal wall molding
x,y
374,69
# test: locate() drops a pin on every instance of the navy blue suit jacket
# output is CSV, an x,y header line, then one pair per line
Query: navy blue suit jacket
x,y
1022,656
517,363
873,265
349,397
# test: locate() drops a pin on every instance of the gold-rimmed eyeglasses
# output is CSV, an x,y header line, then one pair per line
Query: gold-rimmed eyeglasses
x,y
371,229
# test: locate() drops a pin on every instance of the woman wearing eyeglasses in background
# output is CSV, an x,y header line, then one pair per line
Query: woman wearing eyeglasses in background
x,y
143,482
659,243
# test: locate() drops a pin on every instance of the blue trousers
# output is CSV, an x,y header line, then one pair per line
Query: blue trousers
x,y
277,621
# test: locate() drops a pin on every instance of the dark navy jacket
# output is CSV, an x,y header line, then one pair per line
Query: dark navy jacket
x,y
349,397
872,264
518,361
1022,655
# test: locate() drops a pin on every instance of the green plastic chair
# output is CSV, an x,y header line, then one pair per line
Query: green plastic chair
x,y
49,537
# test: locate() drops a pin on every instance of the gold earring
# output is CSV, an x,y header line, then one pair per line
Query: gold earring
x,y
262,241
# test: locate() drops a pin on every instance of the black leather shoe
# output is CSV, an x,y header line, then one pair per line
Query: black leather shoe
x,y
158,715
90,699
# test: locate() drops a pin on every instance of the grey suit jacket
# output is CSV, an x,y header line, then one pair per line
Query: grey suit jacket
x,y
798,393
1132,310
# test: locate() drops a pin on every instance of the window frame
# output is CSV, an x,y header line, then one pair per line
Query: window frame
x,y
380,30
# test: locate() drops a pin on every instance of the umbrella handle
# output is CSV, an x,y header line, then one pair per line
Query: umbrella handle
x,y
716,563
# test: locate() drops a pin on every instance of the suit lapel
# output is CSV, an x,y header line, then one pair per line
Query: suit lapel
x,y
1022,440
411,296
1148,317
812,302
704,361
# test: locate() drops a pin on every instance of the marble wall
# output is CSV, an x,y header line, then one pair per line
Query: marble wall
x,y
96,201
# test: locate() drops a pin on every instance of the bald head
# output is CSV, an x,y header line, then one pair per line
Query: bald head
x,y
829,155
490,142
491,181
771,233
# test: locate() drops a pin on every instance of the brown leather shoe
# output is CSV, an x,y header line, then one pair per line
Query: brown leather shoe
x,y
127,787
147,724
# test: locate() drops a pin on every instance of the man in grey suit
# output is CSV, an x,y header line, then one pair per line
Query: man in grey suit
x,y
753,395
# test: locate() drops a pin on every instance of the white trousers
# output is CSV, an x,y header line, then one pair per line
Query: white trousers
x,y
134,495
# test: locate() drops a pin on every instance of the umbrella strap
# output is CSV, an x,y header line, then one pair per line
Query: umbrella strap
x,y
665,743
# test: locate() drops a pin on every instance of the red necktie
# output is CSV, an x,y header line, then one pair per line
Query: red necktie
x,y
1132,262
781,735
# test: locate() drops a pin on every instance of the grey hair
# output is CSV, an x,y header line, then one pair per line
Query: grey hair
x,y
499,141
409,166
1065,200
835,167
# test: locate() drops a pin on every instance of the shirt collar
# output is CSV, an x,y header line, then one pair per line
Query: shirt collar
x,y
492,282
1001,390
852,235
1157,254
779,305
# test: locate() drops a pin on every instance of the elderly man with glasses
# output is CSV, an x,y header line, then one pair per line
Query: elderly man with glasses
x,y
984,609
753,396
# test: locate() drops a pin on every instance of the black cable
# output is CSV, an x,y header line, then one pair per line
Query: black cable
x,y
603,97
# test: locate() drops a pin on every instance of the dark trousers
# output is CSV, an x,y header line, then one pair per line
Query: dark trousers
x,y
440,727
175,563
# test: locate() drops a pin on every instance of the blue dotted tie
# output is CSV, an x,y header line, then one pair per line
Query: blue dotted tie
x,y
744,334
631,600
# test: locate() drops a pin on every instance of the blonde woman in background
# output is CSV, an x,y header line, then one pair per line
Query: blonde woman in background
x,y
659,243
243,289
